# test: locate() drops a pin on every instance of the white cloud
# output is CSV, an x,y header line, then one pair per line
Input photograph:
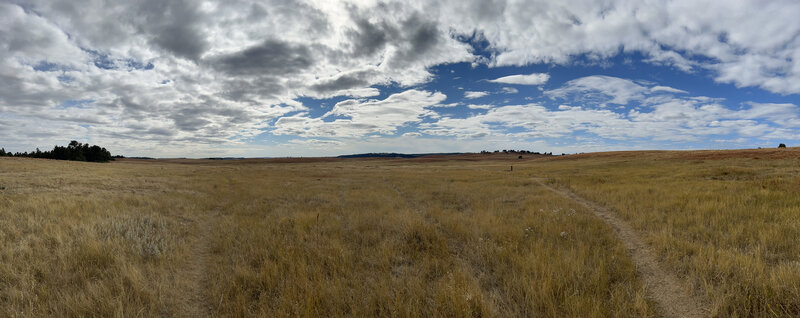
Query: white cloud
x,y
680,120
667,117
316,143
529,79
667,89
510,90
601,89
358,118
448,105
473,94
32,39
747,43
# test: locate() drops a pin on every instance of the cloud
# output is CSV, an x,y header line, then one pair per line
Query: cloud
x,y
174,27
369,38
727,40
402,40
31,39
352,84
530,79
220,72
356,118
677,120
600,89
316,143
473,94
272,57
666,117
667,89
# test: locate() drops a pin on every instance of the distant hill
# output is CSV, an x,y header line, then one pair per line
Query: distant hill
x,y
399,155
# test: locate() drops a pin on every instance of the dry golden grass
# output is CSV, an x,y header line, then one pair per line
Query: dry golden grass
x,y
338,238
87,240
414,241
396,237
726,221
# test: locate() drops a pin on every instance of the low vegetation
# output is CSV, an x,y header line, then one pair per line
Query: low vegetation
x,y
396,237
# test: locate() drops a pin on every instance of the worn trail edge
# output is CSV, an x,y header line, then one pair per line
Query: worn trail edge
x,y
666,290
194,283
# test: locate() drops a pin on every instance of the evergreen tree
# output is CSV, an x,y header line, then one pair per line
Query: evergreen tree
x,y
75,151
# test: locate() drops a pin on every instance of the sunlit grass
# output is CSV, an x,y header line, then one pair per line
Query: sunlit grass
x,y
391,243
395,237
316,239
730,226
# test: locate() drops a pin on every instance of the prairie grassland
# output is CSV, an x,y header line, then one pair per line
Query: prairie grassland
x,y
726,221
415,241
340,238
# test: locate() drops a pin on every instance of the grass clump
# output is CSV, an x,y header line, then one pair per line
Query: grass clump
x,y
147,236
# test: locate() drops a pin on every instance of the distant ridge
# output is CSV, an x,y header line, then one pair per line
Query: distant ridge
x,y
400,155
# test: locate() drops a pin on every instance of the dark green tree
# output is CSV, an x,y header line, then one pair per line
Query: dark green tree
x,y
75,151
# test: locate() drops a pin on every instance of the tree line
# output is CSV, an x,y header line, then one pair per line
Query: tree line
x,y
75,151
518,152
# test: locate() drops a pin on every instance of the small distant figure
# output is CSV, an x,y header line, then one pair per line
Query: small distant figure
x,y
782,146
520,157
512,168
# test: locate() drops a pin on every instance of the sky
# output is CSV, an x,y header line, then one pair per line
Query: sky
x,y
320,78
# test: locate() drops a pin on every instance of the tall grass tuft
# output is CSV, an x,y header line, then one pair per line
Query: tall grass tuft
x,y
147,236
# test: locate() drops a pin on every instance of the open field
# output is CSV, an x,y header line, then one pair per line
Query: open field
x,y
402,237
728,222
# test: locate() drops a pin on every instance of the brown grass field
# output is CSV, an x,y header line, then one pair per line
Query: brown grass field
x,y
428,237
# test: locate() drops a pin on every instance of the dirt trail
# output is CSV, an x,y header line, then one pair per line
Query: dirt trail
x,y
667,291
193,277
